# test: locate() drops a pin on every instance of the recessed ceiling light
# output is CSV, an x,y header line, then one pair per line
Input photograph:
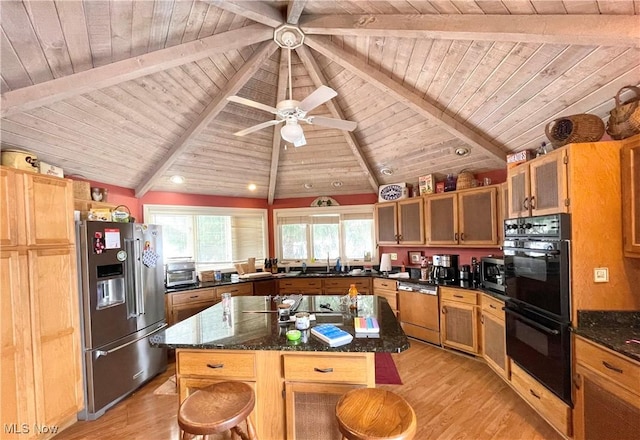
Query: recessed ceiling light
x,y
462,151
308,185
386,171
252,187
177,179
336,184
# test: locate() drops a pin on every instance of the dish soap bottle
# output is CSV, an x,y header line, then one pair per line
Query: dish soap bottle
x,y
353,297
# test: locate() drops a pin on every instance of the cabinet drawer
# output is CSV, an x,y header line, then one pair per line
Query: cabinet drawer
x,y
244,289
459,295
616,368
216,363
192,296
382,283
301,283
314,368
493,306
550,407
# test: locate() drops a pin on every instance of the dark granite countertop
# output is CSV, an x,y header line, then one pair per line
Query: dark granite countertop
x,y
611,329
253,325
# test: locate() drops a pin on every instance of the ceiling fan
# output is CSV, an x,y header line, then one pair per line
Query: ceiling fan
x,y
292,112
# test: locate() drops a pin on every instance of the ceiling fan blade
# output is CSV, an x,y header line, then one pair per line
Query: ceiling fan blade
x,y
319,96
300,142
340,124
254,104
258,127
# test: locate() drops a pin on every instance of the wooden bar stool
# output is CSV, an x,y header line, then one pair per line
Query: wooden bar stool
x,y
375,414
218,408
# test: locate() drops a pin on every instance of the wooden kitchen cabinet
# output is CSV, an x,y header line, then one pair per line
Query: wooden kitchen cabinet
x,y
387,289
340,285
182,305
302,286
539,187
459,319
400,222
463,218
630,164
199,369
40,351
313,385
493,335
607,393
10,188
544,402
241,289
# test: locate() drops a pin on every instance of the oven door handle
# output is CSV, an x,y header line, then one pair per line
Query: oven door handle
x,y
533,323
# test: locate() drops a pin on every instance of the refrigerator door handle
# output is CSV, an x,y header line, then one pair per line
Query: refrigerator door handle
x,y
139,281
107,352
132,302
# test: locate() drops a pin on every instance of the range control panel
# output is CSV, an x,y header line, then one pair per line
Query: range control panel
x,y
553,226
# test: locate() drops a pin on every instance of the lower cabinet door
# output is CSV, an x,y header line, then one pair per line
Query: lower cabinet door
x,y
459,326
311,410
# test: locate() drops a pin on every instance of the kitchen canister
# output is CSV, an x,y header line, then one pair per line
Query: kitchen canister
x,y
303,321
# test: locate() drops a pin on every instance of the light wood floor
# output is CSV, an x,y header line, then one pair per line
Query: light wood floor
x,y
454,397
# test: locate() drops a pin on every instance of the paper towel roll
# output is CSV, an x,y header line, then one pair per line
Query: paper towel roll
x,y
385,263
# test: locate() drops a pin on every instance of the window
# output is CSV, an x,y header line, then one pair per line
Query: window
x,y
315,234
215,238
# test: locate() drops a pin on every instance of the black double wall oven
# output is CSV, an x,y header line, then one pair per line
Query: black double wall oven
x,y
538,311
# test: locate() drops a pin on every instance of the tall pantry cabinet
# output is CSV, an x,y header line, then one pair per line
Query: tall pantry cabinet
x,y
40,345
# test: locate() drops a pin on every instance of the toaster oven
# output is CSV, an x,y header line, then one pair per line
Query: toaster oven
x,y
180,274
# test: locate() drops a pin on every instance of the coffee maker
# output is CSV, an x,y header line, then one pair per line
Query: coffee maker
x,y
445,269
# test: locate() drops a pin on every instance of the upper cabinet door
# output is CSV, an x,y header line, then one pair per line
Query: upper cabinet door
x,y
411,221
549,183
631,197
442,219
386,223
9,210
519,191
49,210
477,210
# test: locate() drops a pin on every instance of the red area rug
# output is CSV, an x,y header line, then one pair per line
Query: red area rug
x,y
386,371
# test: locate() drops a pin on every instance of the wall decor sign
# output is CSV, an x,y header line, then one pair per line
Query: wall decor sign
x,y
415,257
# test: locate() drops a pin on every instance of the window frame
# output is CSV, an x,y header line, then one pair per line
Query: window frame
x,y
153,209
324,211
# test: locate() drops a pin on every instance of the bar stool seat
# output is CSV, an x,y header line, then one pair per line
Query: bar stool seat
x,y
216,409
375,414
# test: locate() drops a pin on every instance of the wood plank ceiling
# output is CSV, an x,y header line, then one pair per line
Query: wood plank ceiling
x,y
130,93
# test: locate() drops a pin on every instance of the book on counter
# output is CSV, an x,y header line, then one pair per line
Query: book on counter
x,y
331,334
366,325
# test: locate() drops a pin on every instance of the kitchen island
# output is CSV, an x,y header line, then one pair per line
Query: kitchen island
x,y
296,382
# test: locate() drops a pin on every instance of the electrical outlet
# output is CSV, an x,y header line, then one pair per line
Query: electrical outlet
x,y
394,257
601,275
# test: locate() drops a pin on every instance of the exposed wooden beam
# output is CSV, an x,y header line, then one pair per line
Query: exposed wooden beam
x,y
294,10
213,109
275,152
403,95
257,11
41,94
319,79
596,30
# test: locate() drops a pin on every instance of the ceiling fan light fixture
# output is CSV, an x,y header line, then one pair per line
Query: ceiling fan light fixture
x,y
291,132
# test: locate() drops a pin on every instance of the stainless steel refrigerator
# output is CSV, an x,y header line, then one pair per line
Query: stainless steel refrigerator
x,y
121,284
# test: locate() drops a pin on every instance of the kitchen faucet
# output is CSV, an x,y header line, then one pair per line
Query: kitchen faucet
x,y
328,266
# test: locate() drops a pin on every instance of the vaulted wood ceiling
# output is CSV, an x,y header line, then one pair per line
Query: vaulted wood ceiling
x,y
130,93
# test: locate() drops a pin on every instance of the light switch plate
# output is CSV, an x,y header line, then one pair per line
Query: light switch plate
x,y
394,257
601,275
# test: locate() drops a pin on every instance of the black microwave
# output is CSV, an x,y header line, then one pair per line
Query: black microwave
x,y
492,274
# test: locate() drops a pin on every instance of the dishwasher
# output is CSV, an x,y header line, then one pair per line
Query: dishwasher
x,y
419,311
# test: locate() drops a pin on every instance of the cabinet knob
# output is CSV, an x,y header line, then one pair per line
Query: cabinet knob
x,y
323,370
533,202
525,204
